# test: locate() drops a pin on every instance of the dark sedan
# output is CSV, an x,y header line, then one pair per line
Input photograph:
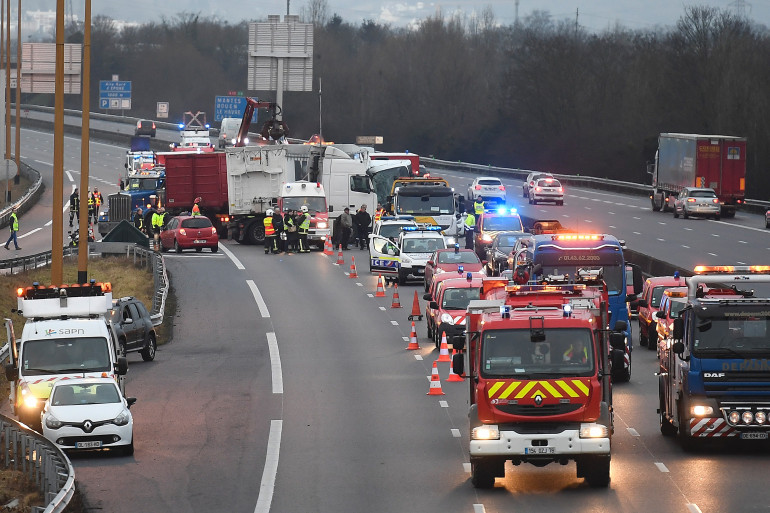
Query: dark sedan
x,y
499,250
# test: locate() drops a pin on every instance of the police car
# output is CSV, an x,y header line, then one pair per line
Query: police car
x,y
407,256
390,226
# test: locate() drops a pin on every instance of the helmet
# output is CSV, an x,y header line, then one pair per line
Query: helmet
x,y
269,212
304,208
198,199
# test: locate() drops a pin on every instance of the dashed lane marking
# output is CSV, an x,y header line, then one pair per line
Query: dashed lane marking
x,y
275,363
478,508
632,431
232,257
418,357
258,298
693,508
394,323
661,467
443,404
267,486
382,308
455,433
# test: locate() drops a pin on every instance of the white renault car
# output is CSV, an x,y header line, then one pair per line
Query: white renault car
x,y
89,414
491,188
406,258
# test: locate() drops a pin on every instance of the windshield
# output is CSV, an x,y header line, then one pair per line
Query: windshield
x,y
71,395
382,181
703,194
657,294
142,184
565,351
425,204
391,231
314,204
742,334
463,257
489,181
458,299
427,245
676,307
65,355
196,222
613,274
503,223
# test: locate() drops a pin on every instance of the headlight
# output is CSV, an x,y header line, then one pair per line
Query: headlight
x,y
486,237
445,317
760,417
747,417
700,410
28,399
593,431
52,422
734,417
322,225
485,433
122,418
406,260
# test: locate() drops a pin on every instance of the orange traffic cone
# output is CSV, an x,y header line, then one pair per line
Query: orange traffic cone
x,y
340,259
353,272
435,381
443,354
413,339
396,301
452,376
328,249
415,309
380,292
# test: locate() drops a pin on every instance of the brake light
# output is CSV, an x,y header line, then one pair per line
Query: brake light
x,y
478,187
182,231
537,189
561,189
501,187
153,125
213,231
690,200
715,200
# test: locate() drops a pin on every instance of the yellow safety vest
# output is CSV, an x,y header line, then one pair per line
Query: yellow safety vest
x,y
269,229
478,207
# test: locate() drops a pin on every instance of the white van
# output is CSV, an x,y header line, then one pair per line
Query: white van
x,y
228,131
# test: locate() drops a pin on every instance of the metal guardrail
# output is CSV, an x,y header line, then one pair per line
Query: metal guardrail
x,y
41,461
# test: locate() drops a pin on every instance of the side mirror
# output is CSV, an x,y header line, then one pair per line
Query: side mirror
x,y
458,342
458,363
678,331
433,305
11,372
122,366
130,401
618,341
128,321
431,262
678,347
660,314
642,303
620,326
630,298
427,296
331,208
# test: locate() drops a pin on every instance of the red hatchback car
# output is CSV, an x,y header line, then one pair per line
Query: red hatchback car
x,y
188,232
450,260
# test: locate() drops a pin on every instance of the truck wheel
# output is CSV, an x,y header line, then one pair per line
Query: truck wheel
x,y
619,373
717,217
685,440
596,470
482,475
666,427
255,233
402,277
655,208
643,338
676,214
652,337
148,353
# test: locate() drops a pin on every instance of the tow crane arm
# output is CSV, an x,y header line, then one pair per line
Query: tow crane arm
x,y
272,129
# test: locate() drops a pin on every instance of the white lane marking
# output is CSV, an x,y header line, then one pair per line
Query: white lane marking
x,y
194,255
478,508
637,218
418,357
49,223
662,240
714,235
405,339
637,233
713,254
267,486
69,176
587,221
613,227
661,467
467,469
743,242
611,213
66,207
382,308
232,257
258,298
688,229
443,404
42,162
359,284
275,363
685,247
394,323
661,222
632,431
693,508
370,295
455,433
740,263
31,232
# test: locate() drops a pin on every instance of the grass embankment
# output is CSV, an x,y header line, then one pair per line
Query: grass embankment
x,y
126,280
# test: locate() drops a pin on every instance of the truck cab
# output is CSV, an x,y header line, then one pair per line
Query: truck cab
x,y
540,389
66,335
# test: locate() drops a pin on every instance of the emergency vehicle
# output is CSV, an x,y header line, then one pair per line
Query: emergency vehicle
x,y
295,195
648,304
66,336
431,201
671,305
713,379
539,377
408,255
491,223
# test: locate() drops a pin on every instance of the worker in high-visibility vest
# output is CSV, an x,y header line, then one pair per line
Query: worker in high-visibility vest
x,y
378,213
478,206
91,204
97,203
303,229
157,225
270,241
576,352
196,210
470,225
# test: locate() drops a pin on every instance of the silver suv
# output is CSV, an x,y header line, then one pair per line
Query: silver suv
x,y
697,201
133,327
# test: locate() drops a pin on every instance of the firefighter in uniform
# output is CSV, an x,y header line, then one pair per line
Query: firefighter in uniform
x,y
478,206
74,206
91,206
97,204
270,242
196,210
303,229
470,224
576,352
378,213
290,228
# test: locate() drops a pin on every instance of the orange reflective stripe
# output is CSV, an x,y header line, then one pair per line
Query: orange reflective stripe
x,y
269,229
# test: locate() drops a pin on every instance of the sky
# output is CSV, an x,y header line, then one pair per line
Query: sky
x,y
593,15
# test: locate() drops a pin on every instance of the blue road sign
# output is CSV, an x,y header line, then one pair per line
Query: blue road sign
x,y
114,89
231,107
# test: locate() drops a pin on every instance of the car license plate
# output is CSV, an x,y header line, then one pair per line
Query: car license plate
x,y
88,445
419,271
539,450
200,241
754,436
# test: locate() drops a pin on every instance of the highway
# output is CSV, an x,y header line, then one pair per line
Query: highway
x,y
287,386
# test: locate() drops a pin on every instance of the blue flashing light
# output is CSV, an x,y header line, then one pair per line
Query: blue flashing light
x,y
181,126
676,275
501,211
567,310
457,248
514,211
469,276
207,126
409,229
459,269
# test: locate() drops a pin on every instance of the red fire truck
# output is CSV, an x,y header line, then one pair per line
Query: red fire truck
x,y
539,375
